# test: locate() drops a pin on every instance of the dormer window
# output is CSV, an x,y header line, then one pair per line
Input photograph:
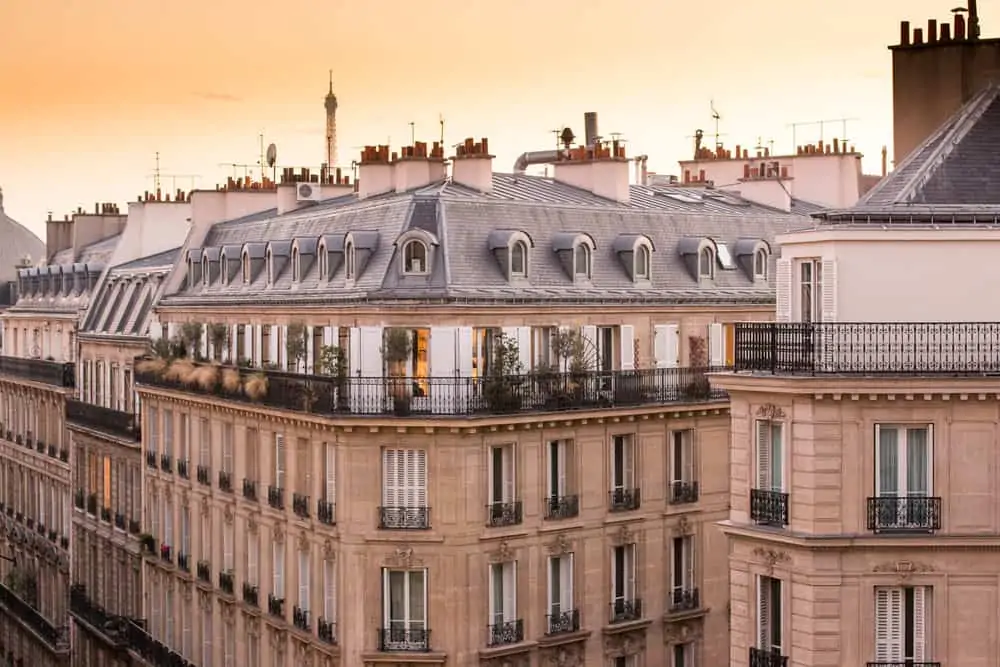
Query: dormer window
x,y
245,267
296,267
642,269
324,262
519,259
204,271
706,263
223,269
349,260
581,261
269,261
190,272
760,264
414,257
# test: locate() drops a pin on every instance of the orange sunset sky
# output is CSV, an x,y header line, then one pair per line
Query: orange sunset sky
x,y
90,90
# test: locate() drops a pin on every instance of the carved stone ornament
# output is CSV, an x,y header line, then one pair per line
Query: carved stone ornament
x,y
228,617
682,633
516,660
277,639
303,654
771,557
251,525
328,551
502,554
278,535
683,526
904,569
561,545
624,644
566,655
206,507
303,541
186,593
205,601
623,536
227,515
403,558
770,412
185,499
167,493
251,624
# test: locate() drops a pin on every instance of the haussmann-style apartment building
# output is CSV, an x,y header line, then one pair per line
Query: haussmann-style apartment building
x,y
449,417
863,528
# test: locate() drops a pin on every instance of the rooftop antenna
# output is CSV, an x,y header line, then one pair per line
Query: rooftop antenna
x,y
156,172
260,161
558,132
441,121
247,168
822,124
158,176
697,136
715,117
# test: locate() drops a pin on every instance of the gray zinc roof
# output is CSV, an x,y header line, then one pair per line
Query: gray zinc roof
x,y
18,244
459,226
124,302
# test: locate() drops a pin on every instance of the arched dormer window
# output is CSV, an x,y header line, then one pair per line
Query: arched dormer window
x,y
519,259
642,258
223,269
706,262
349,260
245,267
582,261
415,257
204,271
324,261
190,272
296,267
269,263
760,264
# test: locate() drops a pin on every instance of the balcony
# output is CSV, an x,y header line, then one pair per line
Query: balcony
x,y
64,455
562,623
908,514
151,459
250,490
53,451
562,507
57,373
769,508
623,611
204,476
300,505
151,650
251,594
763,658
868,348
276,497
300,618
94,615
683,600
225,481
52,635
119,521
404,518
226,582
166,554
92,504
904,663
124,425
326,631
148,544
450,396
204,571
106,514
133,527
183,561
182,469
503,634
78,499
411,640
624,500
276,606
504,514
325,512
166,463
683,493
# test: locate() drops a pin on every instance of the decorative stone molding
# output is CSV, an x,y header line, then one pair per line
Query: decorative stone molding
x,y
683,526
904,569
622,536
186,593
625,644
277,639
304,541
185,499
303,654
403,558
227,515
770,412
278,535
516,660
206,507
771,557
251,624
328,551
228,613
560,546
205,601
565,655
251,525
502,554
682,633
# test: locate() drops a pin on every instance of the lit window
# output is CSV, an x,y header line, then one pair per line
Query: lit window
x,y
706,263
642,262
760,264
349,261
296,275
246,267
581,261
414,257
519,259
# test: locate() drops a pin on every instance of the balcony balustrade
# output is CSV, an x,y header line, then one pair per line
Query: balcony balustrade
x,y
623,611
763,658
58,373
504,514
410,640
683,493
325,512
225,481
404,518
904,514
624,500
681,600
300,505
562,507
563,622
120,424
502,634
769,508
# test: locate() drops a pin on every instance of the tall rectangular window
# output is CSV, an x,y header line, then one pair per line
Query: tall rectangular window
x,y
329,472
503,594
810,290
227,447
278,565
903,460
769,615
279,460
770,455
683,594
902,625
329,590
502,474
560,594
205,443
404,609
404,488
168,432
153,425
623,571
303,577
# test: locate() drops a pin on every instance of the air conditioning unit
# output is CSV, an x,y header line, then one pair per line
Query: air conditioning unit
x,y
308,192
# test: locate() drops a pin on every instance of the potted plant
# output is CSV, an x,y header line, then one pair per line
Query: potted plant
x,y
218,336
191,334
255,386
501,386
396,349
568,388
333,362
697,388
295,345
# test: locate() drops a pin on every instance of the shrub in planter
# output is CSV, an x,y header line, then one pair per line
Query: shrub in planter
x,y
180,370
255,387
205,377
231,380
502,385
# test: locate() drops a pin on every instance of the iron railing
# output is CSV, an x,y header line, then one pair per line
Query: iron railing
x,y
94,615
326,631
889,514
868,348
623,611
150,649
449,396
504,514
683,493
681,600
769,508
563,622
404,518
204,475
276,497
300,618
250,489
763,658
417,640
562,507
275,606
251,594
904,663
226,582
58,373
502,634
624,500
325,512
300,505
120,424
50,633
225,481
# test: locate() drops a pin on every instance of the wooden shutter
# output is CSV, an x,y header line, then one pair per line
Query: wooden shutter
x,y
391,463
566,582
205,444
495,585
829,288
509,591
304,580
763,613
253,556
783,290
274,345
888,624
279,460
278,570
330,472
185,531
232,349
227,447
522,336
689,562
716,345
554,583
442,352
763,454
168,523
507,457
329,590
920,625
416,478
627,335
631,569
463,351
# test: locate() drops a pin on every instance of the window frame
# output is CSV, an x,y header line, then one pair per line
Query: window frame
x,y
770,614
269,265
645,253
503,580
507,482
912,623
245,267
627,463
407,623
582,250
814,311
902,459
518,246
408,258
350,260
760,262
764,468
296,266
706,262
205,271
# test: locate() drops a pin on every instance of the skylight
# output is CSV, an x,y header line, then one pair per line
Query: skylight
x,y
684,197
725,257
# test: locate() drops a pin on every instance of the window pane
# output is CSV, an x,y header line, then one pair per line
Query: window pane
x,y
888,461
417,611
917,463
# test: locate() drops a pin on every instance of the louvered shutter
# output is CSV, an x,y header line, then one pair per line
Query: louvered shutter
x,y
829,288
689,562
283,361
228,533
888,624
631,570
329,590
783,290
253,544
495,585
416,478
566,582
390,463
205,444
763,455
919,624
168,524
227,447
716,345
232,351
304,580
278,556
627,336
508,458
279,460
509,592
463,351
274,345
763,613
330,464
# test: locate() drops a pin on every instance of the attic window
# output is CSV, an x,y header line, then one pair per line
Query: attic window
x,y
706,263
296,269
349,260
581,261
760,264
642,268
414,257
324,261
269,260
190,272
204,271
245,267
519,259
223,269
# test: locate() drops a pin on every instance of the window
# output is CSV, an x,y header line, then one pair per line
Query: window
x,y
484,342
168,615
279,461
228,539
204,271
190,273
404,609
683,485
769,615
623,568
561,614
253,651
185,546
253,558
303,578
901,624
503,601
683,593
519,259
770,455
269,261
706,263
760,264
404,488
324,262
265,345
642,263
329,590
683,655
560,502
903,461
624,495
227,447
296,269
504,510
605,343
581,261
245,267
223,269
278,563
414,257
204,443
810,290
206,637
349,260
229,645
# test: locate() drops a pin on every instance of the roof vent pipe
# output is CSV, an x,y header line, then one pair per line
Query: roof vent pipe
x,y
525,160
590,128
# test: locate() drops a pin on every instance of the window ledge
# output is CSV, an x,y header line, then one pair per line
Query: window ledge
x,y
686,615
548,641
495,652
627,626
404,658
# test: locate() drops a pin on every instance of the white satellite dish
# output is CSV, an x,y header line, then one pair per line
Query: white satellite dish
x,y
272,155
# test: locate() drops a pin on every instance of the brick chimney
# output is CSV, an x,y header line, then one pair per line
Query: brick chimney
x,y
375,172
416,167
472,165
603,170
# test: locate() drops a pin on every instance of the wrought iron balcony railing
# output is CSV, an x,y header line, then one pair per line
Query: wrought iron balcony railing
x,y
250,490
326,512
225,481
251,594
166,463
326,631
183,561
868,348
300,505
204,475
204,571
120,424
683,493
769,508
50,633
166,553
682,600
152,650
563,622
623,611
624,500
94,615
404,518
412,640
78,499
276,497
300,618
226,582
92,504
182,468
562,507
541,391
904,663
151,459
504,514
58,373
502,634
904,514
275,606
763,658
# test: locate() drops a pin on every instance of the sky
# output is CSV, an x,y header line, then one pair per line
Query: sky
x,y
92,90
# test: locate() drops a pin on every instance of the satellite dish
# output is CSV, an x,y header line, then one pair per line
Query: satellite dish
x,y
272,155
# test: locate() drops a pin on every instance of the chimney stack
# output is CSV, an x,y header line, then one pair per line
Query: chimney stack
x,y
374,172
472,165
973,19
904,33
931,31
590,128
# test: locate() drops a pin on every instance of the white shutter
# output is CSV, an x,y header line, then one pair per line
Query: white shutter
x,y
463,351
495,577
282,357
330,336
589,334
631,562
716,345
509,591
206,638
204,342
232,353
888,624
689,562
627,334
253,545
566,582
273,345
919,623
311,353
444,365
279,460
522,336
416,478
329,590
371,352
390,474
186,631
508,459
764,455
228,534
673,346
257,340
829,288
154,611
330,472
763,613
304,580
783,290
278,565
